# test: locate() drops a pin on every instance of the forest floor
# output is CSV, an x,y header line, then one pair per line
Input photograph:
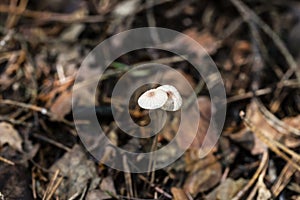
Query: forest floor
x,y
46,152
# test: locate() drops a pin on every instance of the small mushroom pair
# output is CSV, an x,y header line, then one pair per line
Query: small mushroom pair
x,y
165,97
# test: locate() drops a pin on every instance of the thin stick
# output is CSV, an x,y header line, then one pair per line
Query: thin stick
x,y
248,15
283,179
51,184
274,121
64,18
107,75
261,166
293,83
13,19
259,180
51,16
272,144
33,182
50,141
127,176
6,161
24,105
55,187
161,191
248,95
42,110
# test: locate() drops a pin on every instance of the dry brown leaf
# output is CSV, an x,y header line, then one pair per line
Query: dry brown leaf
x,y
107,185
62,105
260,122
250,140
203,175
97,194
14,61
283,179
289,140
205,39
227,189
244,138
56,88
106,191
9,135
263,192
205,109
293,121
240,52
78,170
178,194
205,114
15,181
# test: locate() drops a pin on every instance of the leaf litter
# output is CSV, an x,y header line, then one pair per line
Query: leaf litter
x,y
257,156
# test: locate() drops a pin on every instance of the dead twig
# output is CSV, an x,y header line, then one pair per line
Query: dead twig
x,y
50,141
274,145
32,107
33,182
248,95
14,121
283,179
6,161
24,105
159,190
276,123
250,16
107,75
53,185
260,92
50,16
262,165
259,180
13,19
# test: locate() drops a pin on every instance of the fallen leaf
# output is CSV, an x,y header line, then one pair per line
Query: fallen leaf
x,y
56,89
227,189
290,140
178,194
8,135
14,182
97,194
293,121
257,146
62,105
107,185
203,175
205,39
204,122
125,8
260,122
263,192
78,170
240,52
72,32
283,179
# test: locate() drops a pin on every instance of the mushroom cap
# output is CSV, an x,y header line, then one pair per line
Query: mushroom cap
x,y
174,100
152,99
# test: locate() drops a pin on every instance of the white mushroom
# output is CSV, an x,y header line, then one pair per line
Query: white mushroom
x,y
174,100
152,99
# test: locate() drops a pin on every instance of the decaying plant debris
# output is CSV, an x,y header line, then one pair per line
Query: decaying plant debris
x,y
255,45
